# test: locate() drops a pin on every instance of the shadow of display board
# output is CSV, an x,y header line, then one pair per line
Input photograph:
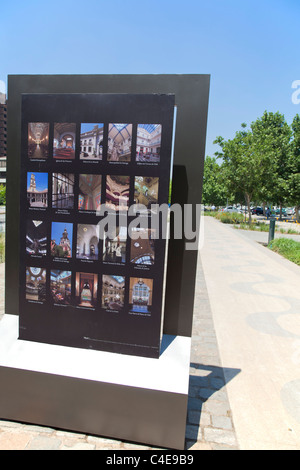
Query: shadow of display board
x,y
89,306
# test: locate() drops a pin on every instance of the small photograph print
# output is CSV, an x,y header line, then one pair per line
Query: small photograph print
x,y
91,141
62,191
148,143
86,290
64,139
113,292
146,192
61,239
89,197
36,284
142,246
37,190
119,142
114,245
36,238
87,242
38,140
117,192
140,295
60,286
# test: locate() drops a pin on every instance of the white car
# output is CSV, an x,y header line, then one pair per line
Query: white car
x,y
230,209
290,211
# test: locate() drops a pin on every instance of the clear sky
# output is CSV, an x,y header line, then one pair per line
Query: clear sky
x,y
250,48
41,180
84,127
57,230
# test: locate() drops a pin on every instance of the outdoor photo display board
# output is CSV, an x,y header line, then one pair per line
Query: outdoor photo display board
x,y
83,283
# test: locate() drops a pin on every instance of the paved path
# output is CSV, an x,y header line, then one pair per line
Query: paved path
x,y
255,302
244,372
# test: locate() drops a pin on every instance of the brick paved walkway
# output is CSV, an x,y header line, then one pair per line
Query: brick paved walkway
x,y
209,422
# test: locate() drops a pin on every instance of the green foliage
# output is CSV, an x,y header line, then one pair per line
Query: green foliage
x,y
227,217
294,178
214,187
290,249
2,248
262,163
242,167
2,195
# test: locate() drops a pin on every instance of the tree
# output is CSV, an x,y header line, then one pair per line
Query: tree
x,y
243,167
294,178
214,191
272,146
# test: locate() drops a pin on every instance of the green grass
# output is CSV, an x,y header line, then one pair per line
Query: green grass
x,y
289,249
2,247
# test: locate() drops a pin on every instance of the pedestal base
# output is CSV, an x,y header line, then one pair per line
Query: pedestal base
x,y
123,397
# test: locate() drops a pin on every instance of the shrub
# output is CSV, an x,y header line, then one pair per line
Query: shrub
x,y
230,217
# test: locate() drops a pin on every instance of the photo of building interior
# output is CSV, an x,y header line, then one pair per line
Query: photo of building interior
x,y
145,191
38,140
86,289
114,245
91,141
142,246
119,142
140,294
113,292
62,191
37,189
117,192
64,139
148,143
60,286
61,239
36,238
87,241
36,284
89,197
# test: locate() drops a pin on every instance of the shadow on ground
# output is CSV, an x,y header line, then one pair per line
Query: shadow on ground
x,y
208,382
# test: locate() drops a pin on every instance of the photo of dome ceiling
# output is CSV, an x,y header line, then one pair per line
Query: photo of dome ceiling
x,y
119,142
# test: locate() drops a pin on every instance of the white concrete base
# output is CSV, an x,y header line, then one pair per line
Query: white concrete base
x,y
121,396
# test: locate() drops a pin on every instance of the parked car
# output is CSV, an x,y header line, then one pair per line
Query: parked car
x,y
277,212
257,211
290,211
230,209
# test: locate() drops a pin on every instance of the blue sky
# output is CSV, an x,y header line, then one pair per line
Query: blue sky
x,y
85,127
250,48
41,180
57,229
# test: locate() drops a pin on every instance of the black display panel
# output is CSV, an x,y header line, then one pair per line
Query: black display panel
x,y
84,283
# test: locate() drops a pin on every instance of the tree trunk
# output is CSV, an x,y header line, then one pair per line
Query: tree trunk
x,y
248,200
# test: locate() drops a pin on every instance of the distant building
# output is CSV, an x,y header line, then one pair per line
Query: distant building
x,y
3,137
